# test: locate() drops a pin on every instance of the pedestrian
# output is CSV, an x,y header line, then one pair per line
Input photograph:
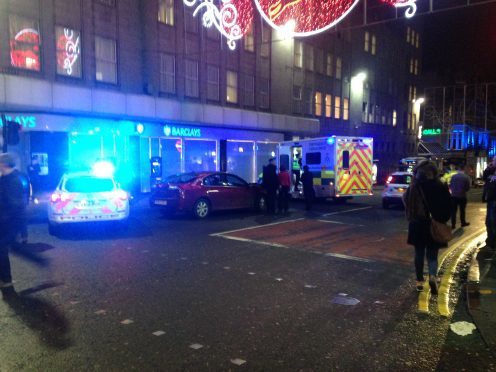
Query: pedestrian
x,y
490,199
270,184
308,190
34,171
284,186
459,186
446,178
296,169
425,197
12,212
488,172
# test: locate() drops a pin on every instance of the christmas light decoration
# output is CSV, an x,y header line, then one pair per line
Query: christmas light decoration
x,y
25,49
307,17
68,50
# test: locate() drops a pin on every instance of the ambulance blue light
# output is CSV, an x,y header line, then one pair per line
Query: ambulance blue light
x,y
103,169
140,128
331,140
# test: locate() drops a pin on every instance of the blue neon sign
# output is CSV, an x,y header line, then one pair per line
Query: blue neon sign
x,y
24,121
181,131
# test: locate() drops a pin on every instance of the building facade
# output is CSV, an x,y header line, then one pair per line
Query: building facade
x,y
131,80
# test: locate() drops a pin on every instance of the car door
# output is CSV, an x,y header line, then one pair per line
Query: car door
x,y
241,194
214,190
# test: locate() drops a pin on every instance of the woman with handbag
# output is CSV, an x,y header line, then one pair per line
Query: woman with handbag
x,y
428,208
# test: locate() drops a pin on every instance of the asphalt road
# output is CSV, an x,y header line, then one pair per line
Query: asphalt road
x,y
331,289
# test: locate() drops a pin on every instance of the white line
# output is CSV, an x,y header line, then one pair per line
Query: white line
x,y
340,223
255,227
349,210
346,257
253,241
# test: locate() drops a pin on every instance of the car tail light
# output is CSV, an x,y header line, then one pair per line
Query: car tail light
x,y
389,179
56,197
121,194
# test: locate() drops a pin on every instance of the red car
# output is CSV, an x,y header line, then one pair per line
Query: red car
x,y
202,193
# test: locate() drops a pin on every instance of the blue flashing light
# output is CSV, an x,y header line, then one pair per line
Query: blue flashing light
x,y
331,140
140,128
103,168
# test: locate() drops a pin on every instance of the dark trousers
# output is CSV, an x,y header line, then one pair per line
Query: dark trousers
x,y
283,200
421,251
455,204
5,242
271,201
309,196
491,224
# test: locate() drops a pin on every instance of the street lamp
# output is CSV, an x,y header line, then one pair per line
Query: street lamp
x,y
357,82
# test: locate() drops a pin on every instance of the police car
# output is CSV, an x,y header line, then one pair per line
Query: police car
x,y
396,185
86,197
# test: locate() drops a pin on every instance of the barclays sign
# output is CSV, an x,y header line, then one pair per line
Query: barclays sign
x,y
174,131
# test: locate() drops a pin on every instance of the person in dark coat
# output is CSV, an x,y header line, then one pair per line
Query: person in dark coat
x,y
270,183
486,175
308,190
490,199
426,196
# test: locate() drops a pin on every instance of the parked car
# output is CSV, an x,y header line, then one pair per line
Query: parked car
x,y
85,197
202,193
395,187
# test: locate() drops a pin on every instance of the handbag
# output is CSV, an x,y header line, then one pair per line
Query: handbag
x,y
440,232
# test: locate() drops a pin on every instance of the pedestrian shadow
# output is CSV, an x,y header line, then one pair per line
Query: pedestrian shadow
x,y
31,252
39,315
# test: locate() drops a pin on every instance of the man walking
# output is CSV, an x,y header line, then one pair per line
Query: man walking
x,y
270,184
459,186
12,213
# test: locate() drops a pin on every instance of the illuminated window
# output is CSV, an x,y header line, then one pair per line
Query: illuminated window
x,y
339,63
310,58
411,66
414,93
191,78
408,34
329,66
417,41
346,109
413,37
249,40
328,105
249,91
166,12
416,69
24,43
68,43
213,83
318,104
265,47
366,41
297,101
337,107
298,54
167,73
264,93
106,60
232,87
374,45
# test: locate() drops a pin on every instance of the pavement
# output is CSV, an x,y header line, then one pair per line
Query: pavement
x,y
481,294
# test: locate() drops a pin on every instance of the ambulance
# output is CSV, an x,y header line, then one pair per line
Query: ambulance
x,y
342,167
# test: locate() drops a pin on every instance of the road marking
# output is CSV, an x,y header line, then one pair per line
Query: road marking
x,y
340,223
346,211
346,257
251,241
424,296
256,227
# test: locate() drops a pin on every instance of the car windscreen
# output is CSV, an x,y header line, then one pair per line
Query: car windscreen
x,y
88,184
180,178
403,179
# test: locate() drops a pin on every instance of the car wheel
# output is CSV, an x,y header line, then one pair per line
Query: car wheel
x,y
385,204
53,229
201,208
260,203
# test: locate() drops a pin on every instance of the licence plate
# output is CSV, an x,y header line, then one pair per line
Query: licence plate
x,y
161,202
87,204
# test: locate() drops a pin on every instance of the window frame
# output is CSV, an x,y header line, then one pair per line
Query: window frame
x,y
105,61
232,88
213,86
192,89
166,14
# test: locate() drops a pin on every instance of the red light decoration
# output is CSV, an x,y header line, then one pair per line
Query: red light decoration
x,y
25,49
234,17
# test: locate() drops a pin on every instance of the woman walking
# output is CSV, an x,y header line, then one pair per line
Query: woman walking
x,y
426,197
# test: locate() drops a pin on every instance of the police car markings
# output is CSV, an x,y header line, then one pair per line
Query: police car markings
x,y
346,211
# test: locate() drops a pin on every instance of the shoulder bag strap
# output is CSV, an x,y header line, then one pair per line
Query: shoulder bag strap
x,y
424,200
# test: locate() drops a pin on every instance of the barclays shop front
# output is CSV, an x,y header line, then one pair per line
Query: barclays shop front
x,y
142,152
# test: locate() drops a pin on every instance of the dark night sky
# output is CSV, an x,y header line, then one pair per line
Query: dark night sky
x,y
460,45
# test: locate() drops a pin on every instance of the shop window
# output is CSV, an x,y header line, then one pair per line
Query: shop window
x,y
167,73
212,83
241,159
298,54
68,44
171,150
166,12
106,60
265,151
232,86
25,43
200,155
191,78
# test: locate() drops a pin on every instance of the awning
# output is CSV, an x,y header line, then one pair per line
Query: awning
x,y
431,149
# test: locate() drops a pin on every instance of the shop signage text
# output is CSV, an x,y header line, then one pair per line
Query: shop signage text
x,y
431,132
182,131
24,121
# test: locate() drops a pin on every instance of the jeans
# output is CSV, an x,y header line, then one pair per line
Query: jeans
x,y
491,224
421,251
455,203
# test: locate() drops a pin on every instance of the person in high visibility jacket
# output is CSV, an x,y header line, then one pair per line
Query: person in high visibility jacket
x,y
446,178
